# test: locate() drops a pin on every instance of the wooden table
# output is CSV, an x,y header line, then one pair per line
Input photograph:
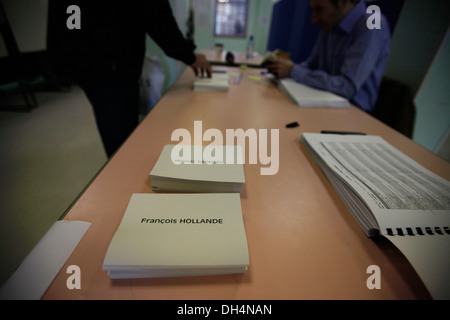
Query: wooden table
x,y
303,242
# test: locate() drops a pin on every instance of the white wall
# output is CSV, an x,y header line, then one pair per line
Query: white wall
x,y
28,19
420,58
433,100
419,32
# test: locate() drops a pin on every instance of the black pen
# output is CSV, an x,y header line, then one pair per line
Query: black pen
x,y
341,132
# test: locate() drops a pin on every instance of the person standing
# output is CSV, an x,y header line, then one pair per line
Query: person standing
x,y
105,55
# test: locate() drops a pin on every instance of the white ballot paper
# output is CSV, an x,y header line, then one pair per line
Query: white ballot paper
x,y
39,268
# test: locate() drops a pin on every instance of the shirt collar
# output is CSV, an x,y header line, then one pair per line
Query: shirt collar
x,y
352,17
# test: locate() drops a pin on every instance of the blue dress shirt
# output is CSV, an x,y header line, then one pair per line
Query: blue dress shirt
x,y
349,60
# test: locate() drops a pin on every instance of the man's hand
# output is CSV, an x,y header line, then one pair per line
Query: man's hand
x,y
280,68
201,66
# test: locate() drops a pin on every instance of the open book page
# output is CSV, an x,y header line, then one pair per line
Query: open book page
x,y
430,257
386,191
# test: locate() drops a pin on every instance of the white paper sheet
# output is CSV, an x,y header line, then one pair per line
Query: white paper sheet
x,y
41,265
430,257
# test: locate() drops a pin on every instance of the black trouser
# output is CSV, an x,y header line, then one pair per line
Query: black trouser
x,y
116,110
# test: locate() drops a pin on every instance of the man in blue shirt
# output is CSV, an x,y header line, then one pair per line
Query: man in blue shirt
x,y
348,58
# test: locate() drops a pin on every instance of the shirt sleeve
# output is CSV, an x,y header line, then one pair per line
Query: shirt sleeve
x,y
162,27
360,59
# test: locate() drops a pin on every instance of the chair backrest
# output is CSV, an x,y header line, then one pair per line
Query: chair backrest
x,y
395,106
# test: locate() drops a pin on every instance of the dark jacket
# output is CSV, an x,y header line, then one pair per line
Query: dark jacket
x,y
110,45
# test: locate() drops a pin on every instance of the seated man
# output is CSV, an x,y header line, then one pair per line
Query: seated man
x,y
348,58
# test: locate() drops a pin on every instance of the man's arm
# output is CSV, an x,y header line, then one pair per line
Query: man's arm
x,y
362,57
163,29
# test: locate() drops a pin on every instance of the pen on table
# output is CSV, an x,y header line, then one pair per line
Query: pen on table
x,y
292,124
341,132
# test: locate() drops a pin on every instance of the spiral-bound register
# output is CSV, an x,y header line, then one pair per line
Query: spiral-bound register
x,y
390,194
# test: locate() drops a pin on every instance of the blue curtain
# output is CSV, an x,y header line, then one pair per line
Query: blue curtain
x,y
291,29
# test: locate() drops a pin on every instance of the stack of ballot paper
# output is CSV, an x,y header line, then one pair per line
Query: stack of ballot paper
x,y
199,169
305,96
170,235
218,82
